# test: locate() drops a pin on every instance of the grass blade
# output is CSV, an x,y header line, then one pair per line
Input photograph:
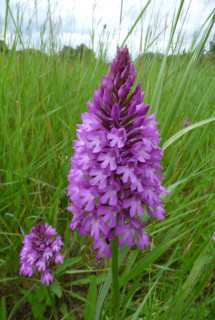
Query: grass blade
x,y
3,311
185,130
135,23
159,84
19,302
89,313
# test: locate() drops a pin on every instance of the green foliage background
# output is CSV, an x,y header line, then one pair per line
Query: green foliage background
x,y
41,100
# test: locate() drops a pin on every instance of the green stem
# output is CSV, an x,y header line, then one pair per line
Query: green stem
x,y
115,279
52,303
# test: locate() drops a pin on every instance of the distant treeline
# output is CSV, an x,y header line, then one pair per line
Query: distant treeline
x,y
83,52
80,52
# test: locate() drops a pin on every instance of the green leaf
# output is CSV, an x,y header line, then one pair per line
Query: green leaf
x,y
135,23
159,84
89,313
106,286
20,301
56,289
63,309
177,311
51,302
142,264
183,84
8,279
185,130
102,295
67,263
38,310
3,312
140,307
40,293
83,281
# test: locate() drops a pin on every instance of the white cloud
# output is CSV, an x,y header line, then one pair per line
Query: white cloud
x,y
74,21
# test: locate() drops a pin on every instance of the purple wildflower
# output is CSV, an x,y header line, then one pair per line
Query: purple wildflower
x,y
41,247
116,165
186,123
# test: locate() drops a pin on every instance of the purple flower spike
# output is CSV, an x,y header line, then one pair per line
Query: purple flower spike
x,y
186,123
116,166
41,247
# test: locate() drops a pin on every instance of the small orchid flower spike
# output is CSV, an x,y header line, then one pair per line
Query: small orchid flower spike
x,y
41,249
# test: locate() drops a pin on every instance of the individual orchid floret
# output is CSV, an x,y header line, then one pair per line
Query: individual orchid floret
x,y
116,176
40,251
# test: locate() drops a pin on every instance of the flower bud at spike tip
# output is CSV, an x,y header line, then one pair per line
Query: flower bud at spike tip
x,y
116,166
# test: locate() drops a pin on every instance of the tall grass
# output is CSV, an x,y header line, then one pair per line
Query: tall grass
x,y
42,98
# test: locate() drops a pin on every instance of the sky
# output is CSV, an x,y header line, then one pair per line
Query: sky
x,y
104,24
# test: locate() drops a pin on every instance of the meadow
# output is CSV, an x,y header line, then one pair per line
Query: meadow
x,y
41,100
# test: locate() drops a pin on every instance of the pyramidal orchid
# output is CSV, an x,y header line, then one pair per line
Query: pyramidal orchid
x,y
115,177
41,249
